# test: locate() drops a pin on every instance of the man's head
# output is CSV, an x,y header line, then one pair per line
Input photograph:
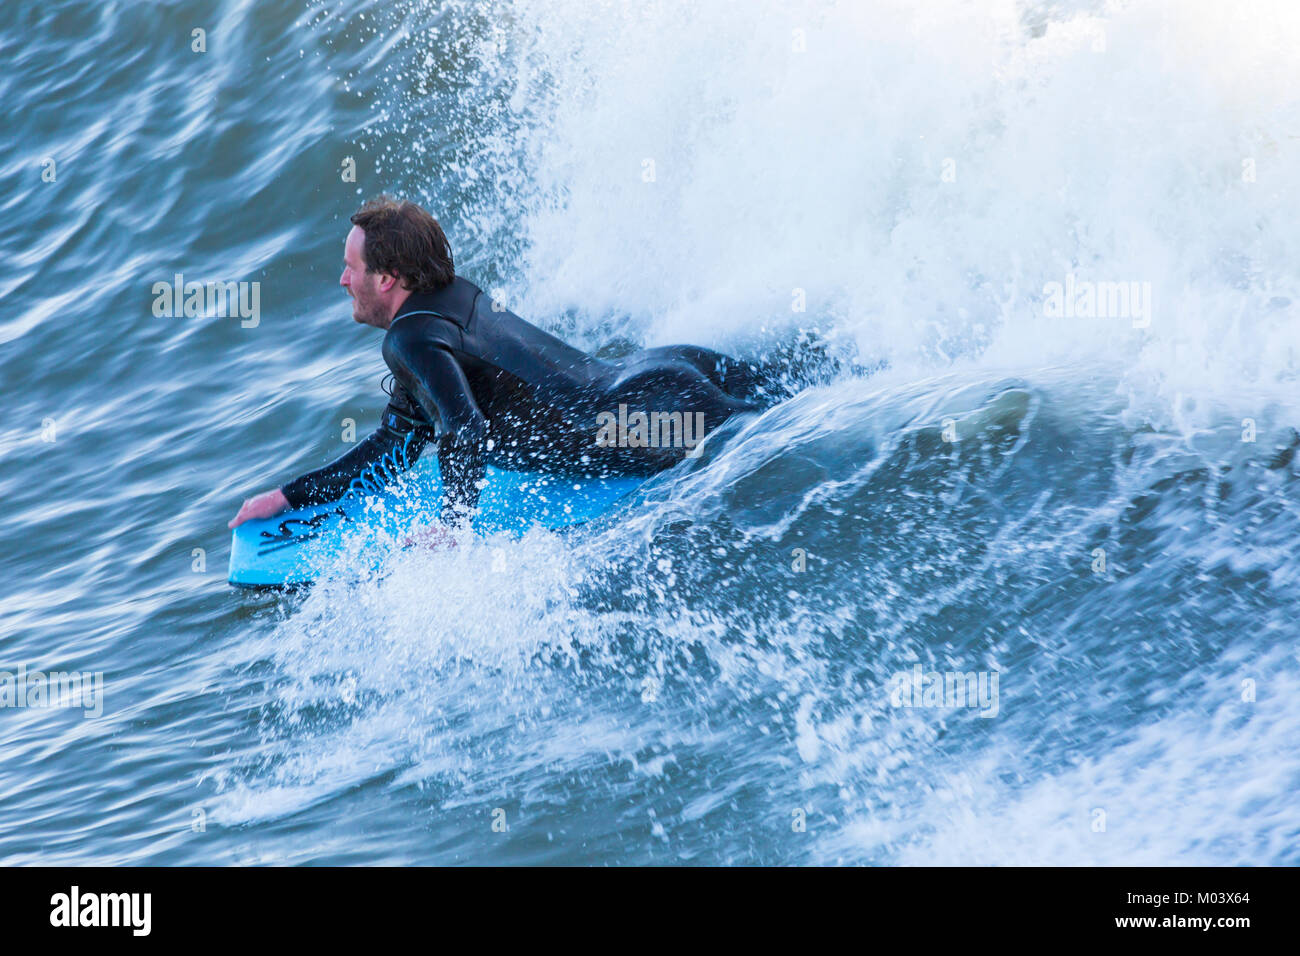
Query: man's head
x,y
394,248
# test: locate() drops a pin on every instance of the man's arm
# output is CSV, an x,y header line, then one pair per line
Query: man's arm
x,y
376,461
435,384
428,370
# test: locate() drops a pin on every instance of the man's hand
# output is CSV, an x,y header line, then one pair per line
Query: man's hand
x,y
266,505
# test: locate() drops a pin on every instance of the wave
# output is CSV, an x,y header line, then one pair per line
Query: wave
x,y
727,650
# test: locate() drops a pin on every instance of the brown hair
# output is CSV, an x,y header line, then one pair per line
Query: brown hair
x,y
404,239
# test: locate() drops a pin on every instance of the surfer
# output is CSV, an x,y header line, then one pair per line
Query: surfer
x,y
483,386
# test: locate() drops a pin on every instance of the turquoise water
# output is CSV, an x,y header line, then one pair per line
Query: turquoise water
x,y
1099,509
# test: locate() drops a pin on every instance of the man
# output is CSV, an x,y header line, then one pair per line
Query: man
x,y
484,386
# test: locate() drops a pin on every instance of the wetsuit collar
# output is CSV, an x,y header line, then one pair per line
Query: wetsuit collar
x,y
454,301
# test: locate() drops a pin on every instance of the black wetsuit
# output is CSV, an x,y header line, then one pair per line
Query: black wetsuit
x,y
487,387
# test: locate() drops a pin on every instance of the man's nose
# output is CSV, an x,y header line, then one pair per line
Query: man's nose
x,y
343,278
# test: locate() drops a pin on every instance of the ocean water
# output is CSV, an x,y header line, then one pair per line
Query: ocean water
x,y
1088,503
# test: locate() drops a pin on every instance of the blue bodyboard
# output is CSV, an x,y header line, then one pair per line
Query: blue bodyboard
x,y
360,530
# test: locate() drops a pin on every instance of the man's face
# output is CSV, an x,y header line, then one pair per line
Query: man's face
x,y
366,288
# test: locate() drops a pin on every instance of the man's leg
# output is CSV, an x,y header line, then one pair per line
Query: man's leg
x,y
737,379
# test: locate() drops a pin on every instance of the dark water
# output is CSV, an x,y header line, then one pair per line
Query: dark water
x,y
1099,511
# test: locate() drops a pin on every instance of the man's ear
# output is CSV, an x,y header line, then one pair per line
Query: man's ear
x,y
387,281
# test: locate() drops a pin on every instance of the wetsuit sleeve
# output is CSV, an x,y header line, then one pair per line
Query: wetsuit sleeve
x,y
424,365
462,467
391,449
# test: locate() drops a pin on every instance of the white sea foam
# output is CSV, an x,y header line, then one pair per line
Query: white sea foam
x,y
922,171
